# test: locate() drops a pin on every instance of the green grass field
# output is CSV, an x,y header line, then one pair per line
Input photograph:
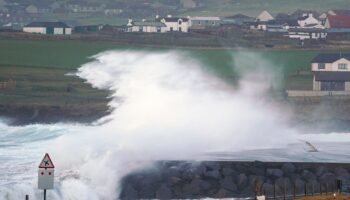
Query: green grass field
x,y
21,60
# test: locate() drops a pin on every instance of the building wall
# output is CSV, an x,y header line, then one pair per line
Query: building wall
x,y
68,31
58,31
331,66
205,23
316,85
176,26
146,29
41,30
347,86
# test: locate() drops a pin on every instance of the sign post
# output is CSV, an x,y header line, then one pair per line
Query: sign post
x,y
46,174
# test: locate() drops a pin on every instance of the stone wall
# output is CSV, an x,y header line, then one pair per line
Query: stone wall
x,y
232,179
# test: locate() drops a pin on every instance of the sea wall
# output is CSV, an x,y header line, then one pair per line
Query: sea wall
x,y
188,180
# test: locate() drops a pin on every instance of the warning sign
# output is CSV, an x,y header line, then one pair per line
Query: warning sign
x,y
46,162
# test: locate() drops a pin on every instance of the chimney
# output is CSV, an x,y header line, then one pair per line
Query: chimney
x,y
129,22
143,20
169,16
157,16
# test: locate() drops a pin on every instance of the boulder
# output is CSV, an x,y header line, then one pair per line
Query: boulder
x,y
242,181
267,189
288,168
327,178
226,171
228,184
223,193
213,174
274,173
308,176
321,170
164,193
129,192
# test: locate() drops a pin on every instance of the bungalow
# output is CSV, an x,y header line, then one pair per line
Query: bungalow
x,y
262,21
146,26
54,28
179,24
264,17
331,72
204,22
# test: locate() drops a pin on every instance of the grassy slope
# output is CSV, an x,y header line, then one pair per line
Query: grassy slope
x,y
69,55
254,7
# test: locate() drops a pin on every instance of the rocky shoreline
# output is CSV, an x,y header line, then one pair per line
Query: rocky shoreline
x,y
47,114
231,179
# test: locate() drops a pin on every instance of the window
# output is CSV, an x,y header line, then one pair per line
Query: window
x,y
171,29
180,22
321,66
140,29
180,29
159,29
342,66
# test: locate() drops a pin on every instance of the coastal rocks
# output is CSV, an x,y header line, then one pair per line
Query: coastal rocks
x,y
186,180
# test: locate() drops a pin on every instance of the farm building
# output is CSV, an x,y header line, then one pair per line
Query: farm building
x,y
338,23
307,33
53,28
331,72
204,22
146,26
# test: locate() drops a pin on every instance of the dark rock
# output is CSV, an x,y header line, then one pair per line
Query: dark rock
x,y
242,181
267,188
288,168
226,171
339,171
129,192
173,180
299,186
228,184
274,173
223,193
327,178
213,174
321,170
215,166
164,193
308,176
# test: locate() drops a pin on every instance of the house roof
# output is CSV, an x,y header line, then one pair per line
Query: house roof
x,y
332,76
47,24
206,18
149,23
330,57
339,21
175,19
239,16
340,12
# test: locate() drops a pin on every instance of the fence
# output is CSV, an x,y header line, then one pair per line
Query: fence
x,y
311,93
10,84
307,189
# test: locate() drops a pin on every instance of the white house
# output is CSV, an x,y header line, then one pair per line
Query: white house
x,y
331,72
54,28
176,24
146,26
308,20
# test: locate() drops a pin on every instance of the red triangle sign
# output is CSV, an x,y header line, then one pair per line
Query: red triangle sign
x,y
46,162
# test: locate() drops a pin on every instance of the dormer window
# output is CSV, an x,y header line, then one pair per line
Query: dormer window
x,y
342,66
180,22
321,66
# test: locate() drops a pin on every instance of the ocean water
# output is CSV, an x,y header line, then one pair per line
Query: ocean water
x,y
166,106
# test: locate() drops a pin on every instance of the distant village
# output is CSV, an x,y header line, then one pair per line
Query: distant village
x,y
300,25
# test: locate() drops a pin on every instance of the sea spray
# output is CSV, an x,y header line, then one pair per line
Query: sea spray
x,y
164,107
